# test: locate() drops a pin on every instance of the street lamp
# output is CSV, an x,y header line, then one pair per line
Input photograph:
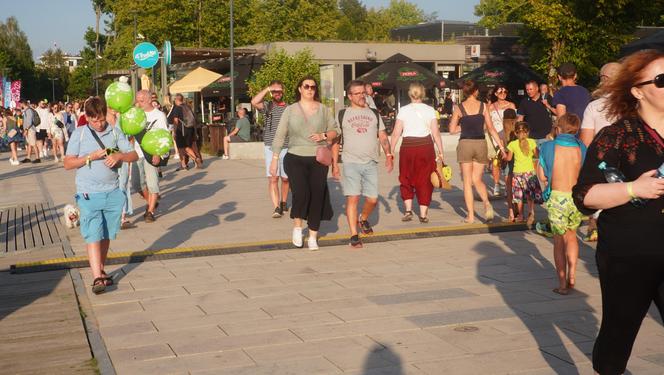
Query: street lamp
x,y
53,87
232,66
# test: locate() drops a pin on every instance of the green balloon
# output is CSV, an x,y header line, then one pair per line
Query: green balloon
x,y
157,142
119,96
133,121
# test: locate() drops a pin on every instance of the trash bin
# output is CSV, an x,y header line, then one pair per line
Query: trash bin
x,y
215,138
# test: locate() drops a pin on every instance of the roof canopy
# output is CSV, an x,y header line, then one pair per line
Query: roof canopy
x,y
194,81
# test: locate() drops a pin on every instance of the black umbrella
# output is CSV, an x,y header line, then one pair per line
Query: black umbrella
x,y
222,86
502,70
400,71
653,41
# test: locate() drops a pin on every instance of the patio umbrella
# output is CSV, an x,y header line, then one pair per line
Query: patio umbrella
x,y
222,85
502,70
653,41
399,72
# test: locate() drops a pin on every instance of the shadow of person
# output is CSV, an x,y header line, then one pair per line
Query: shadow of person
x,y
381,360
553,320
178,234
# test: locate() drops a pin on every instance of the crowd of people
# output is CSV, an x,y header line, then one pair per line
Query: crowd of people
x,y
551,150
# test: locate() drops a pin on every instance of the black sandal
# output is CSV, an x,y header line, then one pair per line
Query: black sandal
x,y
423,220
99,285
407,216
107,280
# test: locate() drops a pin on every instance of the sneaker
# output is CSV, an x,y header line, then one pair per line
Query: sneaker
x,y
36,161
365,226
543,229
14,162
176,157
355,242
149,217
284,207
277,213
312,243
225,157
56,159
26,160
297,237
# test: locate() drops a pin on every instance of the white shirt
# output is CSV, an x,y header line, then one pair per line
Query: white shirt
x,y
156,120
416,118
596,115
44,115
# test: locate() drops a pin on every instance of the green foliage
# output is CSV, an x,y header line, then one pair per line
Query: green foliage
x,y
284,20
588,33
289,69
398,13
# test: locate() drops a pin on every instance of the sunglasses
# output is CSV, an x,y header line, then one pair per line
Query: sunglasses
x,y
276,91
309,87
658,81
501,92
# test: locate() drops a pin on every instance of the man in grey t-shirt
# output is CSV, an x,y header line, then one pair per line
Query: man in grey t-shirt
x,y
361,131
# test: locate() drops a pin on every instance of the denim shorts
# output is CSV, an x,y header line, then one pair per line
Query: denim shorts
x,y
268,160
100,214
360,179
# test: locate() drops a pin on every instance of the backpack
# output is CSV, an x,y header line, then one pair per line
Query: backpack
x,y
36,120
189,120
341,122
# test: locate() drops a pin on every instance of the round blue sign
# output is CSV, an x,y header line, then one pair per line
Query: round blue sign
x,y
146,55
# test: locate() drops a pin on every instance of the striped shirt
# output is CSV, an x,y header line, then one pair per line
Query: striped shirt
x,y
272,121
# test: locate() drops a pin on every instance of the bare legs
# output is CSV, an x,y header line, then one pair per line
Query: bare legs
x,y
472,176
408,204
565,255
97,253
273,188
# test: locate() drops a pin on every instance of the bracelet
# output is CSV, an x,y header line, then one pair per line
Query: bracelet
x,y
88,161
630,191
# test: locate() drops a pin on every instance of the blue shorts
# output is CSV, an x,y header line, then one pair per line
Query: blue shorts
x,y
360,179
268,160
100,214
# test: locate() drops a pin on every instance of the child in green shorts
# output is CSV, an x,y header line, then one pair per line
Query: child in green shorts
x,y
558,169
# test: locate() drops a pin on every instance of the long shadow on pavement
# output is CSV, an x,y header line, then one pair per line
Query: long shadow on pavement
x,y
551,322
378,356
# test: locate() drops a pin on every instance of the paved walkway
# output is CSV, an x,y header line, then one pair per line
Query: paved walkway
x,y
452,305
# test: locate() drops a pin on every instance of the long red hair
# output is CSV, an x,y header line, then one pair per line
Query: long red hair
x,y
621,103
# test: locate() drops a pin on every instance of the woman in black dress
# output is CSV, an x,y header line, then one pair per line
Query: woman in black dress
x,y
630,251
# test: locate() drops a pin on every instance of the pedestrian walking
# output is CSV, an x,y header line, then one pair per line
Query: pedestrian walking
x,y
630,255
13,135
95,152
272,111
362,130
310,128
525,186
559,164
471,118
497,111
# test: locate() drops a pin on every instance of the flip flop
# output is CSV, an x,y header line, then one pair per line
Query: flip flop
x,y
562,292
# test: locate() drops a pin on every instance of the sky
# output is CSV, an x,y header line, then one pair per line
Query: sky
x,y
63,22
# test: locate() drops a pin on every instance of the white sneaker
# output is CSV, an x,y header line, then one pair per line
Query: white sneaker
x,y
225,157
312,243
297,237
176,157
55,159
14,162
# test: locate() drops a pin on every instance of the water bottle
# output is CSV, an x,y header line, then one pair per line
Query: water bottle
x,y
615,175
660,171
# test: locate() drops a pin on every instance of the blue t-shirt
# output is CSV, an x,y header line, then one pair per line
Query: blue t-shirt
x,y
97,177
574,98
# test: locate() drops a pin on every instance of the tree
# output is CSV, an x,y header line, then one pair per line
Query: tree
x,y
352,25
287,68
398,13
588,33
285,20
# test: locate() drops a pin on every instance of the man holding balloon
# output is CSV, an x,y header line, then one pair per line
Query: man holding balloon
x,y
149,160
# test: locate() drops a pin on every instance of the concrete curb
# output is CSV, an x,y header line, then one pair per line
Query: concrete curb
x,y
247,247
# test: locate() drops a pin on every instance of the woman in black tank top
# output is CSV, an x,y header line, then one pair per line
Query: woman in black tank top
x,y
470,118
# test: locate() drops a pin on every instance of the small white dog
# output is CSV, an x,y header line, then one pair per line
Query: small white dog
x,y
72,216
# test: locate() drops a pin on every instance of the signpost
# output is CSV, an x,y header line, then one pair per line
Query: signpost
x,y
146,55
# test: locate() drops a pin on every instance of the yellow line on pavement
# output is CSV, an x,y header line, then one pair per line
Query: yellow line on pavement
x,y
257,244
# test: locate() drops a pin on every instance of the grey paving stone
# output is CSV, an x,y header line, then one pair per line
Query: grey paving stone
x,y
431,295
314,366
463,316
